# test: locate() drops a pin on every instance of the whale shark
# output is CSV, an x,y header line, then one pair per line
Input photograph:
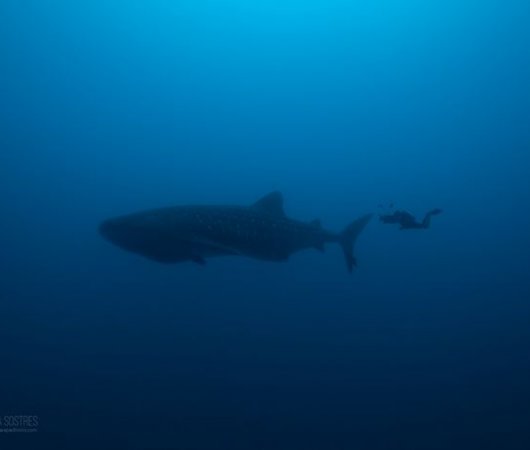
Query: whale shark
x,y
198,232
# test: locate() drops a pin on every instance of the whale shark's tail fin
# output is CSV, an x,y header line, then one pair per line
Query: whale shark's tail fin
x,y
349,236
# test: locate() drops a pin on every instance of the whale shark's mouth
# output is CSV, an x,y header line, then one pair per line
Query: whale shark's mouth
x,y
114,232
106,230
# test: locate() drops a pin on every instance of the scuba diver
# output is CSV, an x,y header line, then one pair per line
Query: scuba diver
x,y
407,221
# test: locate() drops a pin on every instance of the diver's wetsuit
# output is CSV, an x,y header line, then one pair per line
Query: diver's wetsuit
x,y
407,221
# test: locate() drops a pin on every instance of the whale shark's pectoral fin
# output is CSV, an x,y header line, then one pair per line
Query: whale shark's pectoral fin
x,y
198,259
207,247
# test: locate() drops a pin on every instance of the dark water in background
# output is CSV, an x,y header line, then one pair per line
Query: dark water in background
x,y
113,106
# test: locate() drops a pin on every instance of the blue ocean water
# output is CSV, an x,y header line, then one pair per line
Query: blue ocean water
x,y
108,107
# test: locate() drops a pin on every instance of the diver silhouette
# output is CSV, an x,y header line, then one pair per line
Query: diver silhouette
x,y
407,221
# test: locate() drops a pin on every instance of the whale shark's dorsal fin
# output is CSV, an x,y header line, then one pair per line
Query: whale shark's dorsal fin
x,y
271,204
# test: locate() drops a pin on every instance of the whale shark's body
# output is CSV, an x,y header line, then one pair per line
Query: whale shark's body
x,y
197,232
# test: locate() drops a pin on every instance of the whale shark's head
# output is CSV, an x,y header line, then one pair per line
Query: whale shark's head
x,y
118,232
133,233
146,234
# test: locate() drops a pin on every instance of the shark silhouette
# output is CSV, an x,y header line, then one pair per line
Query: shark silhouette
x,y
196,232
